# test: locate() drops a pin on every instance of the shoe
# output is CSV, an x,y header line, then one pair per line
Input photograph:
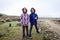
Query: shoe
x,y
38,32
27,36
30,37
23,36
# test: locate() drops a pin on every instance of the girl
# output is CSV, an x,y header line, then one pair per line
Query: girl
x,y
24,20
33,21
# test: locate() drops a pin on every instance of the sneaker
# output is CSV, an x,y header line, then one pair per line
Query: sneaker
x,y
38,32
23,36
30,37
27,36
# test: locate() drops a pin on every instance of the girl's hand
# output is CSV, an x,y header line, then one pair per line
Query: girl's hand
x,y
21,22
35,17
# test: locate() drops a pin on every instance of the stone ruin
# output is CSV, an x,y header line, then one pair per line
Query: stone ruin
x,y
19,24
47,33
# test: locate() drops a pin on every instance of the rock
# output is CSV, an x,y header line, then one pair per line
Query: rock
x,y
1,34
18,24
9,24
8,20
39,30
44,38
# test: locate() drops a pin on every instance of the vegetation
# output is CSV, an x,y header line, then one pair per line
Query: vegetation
x,y
11,29
11,33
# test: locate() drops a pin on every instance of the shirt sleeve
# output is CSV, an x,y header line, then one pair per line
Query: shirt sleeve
x,y
37,16
21,17
28,18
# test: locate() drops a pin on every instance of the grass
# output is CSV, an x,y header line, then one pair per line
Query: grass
x,y
11,33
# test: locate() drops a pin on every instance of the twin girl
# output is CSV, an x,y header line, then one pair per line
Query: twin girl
x,y
25,19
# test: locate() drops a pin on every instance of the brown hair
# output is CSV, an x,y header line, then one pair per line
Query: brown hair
x,y
25,9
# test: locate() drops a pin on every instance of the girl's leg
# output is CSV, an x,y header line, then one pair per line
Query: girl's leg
x,y
27,30
23,31
36,28
31,30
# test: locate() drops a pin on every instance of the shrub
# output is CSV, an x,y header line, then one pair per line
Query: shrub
x,y
18,24
8,20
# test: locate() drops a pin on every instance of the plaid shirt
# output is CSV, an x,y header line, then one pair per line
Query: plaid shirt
x,y
24,19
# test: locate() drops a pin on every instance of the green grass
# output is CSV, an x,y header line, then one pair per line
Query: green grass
x,y
14,31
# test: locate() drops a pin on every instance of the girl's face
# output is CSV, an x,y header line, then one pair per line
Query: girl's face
x,y
25,10
32,11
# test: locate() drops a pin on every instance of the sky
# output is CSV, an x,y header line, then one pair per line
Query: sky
x,y
44,8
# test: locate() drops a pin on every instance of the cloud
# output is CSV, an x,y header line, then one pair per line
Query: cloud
x,y
44,8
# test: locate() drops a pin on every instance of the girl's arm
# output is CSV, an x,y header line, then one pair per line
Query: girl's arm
x,y
28,18
21,18
36,16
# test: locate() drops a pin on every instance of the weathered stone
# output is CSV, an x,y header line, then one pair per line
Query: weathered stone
x,y
1,34
8,20
9,24
18,24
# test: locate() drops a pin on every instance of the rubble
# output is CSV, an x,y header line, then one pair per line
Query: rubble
x,y
48,34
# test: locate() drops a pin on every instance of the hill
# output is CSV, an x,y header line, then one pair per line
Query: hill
x,y
5,18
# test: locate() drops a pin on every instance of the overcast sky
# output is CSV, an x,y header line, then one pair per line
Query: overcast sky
x,y
44,8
